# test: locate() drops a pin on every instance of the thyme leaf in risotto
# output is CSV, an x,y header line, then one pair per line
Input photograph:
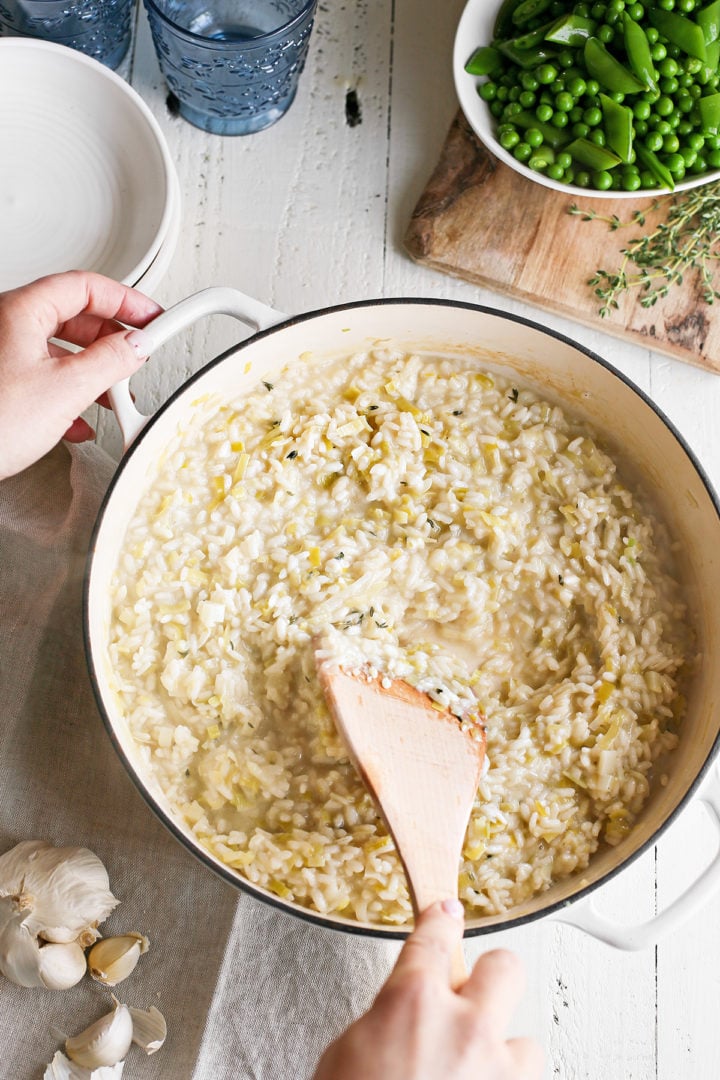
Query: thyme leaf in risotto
x,y
459,532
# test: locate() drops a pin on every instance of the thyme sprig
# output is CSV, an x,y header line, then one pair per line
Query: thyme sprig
x,y
687,239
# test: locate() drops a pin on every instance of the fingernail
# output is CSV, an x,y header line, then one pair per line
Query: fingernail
x,y
140,342
453,907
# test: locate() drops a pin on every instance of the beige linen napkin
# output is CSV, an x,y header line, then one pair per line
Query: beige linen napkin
x,y
247,991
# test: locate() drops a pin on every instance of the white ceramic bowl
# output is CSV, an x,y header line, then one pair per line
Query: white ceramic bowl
x,y
475,28
86,178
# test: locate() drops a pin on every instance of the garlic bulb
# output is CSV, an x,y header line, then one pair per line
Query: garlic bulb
x,y
55,895
149,1029
106,1042
61,1068
113,959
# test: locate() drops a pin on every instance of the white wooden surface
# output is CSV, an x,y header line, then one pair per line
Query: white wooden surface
x,y
312,212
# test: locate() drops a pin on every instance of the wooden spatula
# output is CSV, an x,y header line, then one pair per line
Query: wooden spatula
x,y
421,765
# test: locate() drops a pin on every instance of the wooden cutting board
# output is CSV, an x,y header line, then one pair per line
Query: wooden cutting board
x,y
479,220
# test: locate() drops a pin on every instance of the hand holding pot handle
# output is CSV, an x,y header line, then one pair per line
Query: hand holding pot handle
x,y
214,301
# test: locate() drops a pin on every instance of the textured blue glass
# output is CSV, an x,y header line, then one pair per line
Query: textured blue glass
x,y
233,67
98,28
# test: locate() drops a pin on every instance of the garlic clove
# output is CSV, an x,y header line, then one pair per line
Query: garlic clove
x,y
106,1042
19,952
112,959
61,965
149,1028
61,1068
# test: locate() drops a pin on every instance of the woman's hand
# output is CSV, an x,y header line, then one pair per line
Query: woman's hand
x,y
43,387
420,1029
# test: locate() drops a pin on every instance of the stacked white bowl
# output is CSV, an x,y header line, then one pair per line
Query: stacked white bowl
x,y
86,178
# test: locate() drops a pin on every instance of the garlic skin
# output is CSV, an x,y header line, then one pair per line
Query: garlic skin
x,y
61,1068
55,895
149,1029
112,959
106,1042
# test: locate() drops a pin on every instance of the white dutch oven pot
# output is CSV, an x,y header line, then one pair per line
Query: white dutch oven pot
x,y
559,368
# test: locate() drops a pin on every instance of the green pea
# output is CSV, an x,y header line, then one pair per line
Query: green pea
x,y
564,101
641,128
686,6
658,52
602,180
488,91
663,128
555,171
652,34
597,136
577,87
533,137
684,127
528,81
605,33
713,159
522,151
712,142
563,159
544,112
592,87
698,166
527,99
583,179
575,114
692,65
566,58
669,86
630,181
664,106
502,93
676,164
559,119
653,141
647,180
580,131
636,12
641,110
685,102
689,155
695,140
668,67
496,108
671,144
514,94
593,116
546,74
509,139
597,11
667,5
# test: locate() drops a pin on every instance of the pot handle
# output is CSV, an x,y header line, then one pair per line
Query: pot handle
x,y
214,301
631,938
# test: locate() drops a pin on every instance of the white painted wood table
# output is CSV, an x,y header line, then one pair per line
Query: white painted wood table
x,y
312,212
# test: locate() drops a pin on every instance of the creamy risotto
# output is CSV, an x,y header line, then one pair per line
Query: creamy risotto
x,y
458,531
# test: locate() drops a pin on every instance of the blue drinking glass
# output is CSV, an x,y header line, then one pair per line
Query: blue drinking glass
x,y
234,67
98,28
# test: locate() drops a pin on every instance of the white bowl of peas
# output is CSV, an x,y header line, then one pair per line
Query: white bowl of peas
x,y
612,98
